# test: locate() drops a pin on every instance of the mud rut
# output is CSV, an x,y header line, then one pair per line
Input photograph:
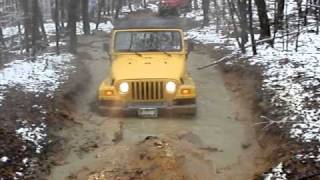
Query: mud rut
x,y
223,123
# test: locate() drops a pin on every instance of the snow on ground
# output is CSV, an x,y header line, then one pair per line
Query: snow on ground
x,y
43,74
51,28
36,134
195,15
11,31
294,77
4,159
277,173
207,35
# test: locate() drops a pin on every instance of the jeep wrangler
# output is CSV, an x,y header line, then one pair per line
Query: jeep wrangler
x,y
149,71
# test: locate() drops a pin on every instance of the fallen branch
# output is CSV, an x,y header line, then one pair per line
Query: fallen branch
x,y
271,122
224,59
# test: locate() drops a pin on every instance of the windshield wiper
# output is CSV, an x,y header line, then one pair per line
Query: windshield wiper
x,y
168,54
138,54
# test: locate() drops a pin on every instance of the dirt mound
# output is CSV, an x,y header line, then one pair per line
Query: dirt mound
x,y
160,158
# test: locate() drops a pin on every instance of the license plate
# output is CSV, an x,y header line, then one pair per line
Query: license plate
x,y
148,112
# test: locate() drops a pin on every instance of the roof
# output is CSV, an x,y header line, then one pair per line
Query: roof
x,y
148,23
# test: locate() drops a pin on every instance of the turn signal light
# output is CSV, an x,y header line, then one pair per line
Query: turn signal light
x,y
185,91
108,93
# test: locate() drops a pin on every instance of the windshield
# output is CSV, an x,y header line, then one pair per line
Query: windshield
x,y
144,41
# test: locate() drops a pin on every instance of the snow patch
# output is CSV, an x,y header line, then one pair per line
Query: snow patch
x,y
33,133
206,35
43,74
4,159
277,173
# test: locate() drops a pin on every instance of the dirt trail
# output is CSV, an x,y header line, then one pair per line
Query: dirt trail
x,y
223,127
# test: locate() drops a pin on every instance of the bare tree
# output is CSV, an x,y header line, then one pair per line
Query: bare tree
x,y
43,29
85,16
109,7
217,14
35,26
232,11
205,8
26,6
62,11
119,5
56,20
1,38
195,4
253,42
279,14
299,2
263,19
72,25
145,4
242,6
101,5
317,16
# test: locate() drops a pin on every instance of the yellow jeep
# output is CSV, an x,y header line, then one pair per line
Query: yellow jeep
x,y
149,71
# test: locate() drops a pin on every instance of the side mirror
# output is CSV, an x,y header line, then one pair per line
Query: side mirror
x,y
190,46
105,47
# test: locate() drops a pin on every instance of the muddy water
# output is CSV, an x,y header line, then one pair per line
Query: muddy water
x,y
216,123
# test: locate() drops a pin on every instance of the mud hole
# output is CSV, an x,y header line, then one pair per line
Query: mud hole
x,y
222,142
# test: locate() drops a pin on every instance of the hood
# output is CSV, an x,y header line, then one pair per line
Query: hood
x,y
148,66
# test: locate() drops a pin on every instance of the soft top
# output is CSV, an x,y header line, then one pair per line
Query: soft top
x,y
148,23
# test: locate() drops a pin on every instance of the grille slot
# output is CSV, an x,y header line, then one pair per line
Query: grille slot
x,y
147,90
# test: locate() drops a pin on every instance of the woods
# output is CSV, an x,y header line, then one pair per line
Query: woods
x,y
244,19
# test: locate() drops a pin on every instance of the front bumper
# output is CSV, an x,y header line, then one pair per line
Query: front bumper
x,y
183,106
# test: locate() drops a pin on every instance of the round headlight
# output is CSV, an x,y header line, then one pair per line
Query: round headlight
x,y
124,87
171,87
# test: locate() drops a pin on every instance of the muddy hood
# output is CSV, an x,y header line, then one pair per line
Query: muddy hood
x,y
148,66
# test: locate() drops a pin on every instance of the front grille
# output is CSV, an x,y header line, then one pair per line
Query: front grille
x,y
147,90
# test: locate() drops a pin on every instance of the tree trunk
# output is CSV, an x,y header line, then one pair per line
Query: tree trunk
x,y
217,14
299,2
1,38
25,6
43,29
113,6
101,5
263,19
35,27
317,14
253,42
85,16
306,12
72,25
205,8
279,15
118,8
130,5
56,20
243,21
232,10
109,7
195,4
63,15
145,4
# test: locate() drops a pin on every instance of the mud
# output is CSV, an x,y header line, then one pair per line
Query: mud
x,y
223,135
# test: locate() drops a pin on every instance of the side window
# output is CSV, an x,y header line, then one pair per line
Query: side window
x,y
122,41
